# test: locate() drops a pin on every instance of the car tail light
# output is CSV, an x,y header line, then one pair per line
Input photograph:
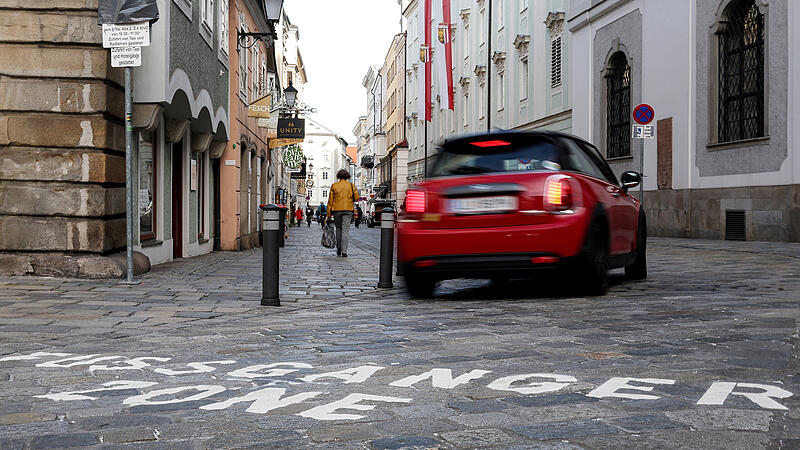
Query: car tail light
x,y
415,201
558,193
494,143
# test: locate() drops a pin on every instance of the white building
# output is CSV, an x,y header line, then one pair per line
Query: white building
x,y
723,77
373,133
325,153
510,70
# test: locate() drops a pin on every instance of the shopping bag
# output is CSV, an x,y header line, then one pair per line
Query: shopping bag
x,y
328,236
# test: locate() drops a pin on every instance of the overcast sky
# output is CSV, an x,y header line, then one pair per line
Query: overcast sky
x,y
339,40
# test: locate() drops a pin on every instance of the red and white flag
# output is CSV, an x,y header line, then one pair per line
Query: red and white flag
x,y
443,49
424,83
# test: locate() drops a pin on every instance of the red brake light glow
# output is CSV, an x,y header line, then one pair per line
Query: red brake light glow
x,y
415,201
495,143
558,193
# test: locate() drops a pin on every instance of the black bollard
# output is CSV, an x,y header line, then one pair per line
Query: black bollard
x,y
271,233
387,248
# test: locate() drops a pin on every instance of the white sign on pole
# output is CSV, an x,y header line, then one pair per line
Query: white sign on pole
x,y
127,35
126,57
643,132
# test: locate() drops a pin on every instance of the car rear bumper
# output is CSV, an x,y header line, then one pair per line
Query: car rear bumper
x,y
490,249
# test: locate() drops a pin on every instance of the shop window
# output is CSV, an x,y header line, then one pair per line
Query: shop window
x,y
148,159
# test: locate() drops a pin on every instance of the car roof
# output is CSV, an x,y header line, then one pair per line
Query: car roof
x,y
472,137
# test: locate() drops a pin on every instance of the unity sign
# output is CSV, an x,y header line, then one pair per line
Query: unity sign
x,y
260,400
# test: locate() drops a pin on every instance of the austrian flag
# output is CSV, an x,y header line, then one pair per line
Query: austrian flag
x,y
443,49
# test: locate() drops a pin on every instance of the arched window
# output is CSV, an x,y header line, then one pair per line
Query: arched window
x,y
741,73
618,112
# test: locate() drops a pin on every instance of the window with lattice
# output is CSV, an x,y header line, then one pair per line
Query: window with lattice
x,y
741,73
555,62
618,106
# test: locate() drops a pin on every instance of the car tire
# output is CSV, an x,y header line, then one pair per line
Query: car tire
x,y
420,286
595,268
638,270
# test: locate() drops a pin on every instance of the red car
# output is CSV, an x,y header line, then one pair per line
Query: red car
x,y
508,204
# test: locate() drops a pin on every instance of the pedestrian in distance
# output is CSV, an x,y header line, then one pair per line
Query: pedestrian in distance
x,y
298,215
359,215
341,201
309,215
322,210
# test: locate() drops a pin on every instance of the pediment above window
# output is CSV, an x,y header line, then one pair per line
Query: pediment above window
x,y
555,22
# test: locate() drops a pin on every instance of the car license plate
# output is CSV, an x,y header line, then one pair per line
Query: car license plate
x,y
476,205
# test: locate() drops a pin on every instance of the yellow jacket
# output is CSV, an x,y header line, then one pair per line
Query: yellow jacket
x,y
341,196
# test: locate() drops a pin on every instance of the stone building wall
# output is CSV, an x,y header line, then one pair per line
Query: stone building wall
x,y
62,161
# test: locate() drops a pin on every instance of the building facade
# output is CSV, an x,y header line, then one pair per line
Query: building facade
x,y
373,134
510,71
721,76
392,168
325,153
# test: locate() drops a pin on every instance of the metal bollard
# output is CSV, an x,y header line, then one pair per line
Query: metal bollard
x,y
387,248
271,246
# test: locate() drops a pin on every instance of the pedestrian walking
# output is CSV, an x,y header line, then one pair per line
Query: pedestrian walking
x,y
309,215
341,201
298,215
359,215
322,211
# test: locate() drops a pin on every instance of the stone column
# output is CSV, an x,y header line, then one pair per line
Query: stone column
x,y
62,160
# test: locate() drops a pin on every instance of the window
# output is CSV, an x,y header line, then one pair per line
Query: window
x,y
325,193
555,62
618,107
481,27
741,73
523,5
262,78
201,195
242,64
465,42
207,14
578,161
256,73
147,184
223,26
480,101
465,110
324,175
500,15
523,88
501,91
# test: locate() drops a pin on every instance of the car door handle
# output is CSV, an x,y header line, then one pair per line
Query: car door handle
x,y
615,194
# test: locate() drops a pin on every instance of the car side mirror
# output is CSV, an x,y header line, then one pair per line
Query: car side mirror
x,y
630,179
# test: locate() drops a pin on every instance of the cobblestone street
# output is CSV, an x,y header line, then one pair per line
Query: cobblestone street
x,y
703,354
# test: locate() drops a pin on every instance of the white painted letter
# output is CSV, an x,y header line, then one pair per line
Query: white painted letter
x,y
37,355
504,384
135,363
442,378
610,387
326,412
720,390
354,375
264,400
78,361
206,390
198,367
119,385
251,372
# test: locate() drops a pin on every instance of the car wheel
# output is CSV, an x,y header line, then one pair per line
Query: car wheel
x,y
596,261
420,286
638,270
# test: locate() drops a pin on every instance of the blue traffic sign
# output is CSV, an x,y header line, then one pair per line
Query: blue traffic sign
x,y
643,114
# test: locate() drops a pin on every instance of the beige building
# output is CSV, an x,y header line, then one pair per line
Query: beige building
x,y
392,168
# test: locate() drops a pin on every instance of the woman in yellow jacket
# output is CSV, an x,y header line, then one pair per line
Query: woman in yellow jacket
x,y
340,204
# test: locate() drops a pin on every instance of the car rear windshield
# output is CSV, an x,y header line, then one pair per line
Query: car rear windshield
x,y
497,155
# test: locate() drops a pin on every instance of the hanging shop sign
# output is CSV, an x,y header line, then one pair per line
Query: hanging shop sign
x,y
293,157
260,107
291,128
273,143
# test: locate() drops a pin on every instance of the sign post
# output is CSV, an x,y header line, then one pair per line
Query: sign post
x,y
126,42
643,114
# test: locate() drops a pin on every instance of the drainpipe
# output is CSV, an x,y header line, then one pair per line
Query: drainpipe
x,y
489,68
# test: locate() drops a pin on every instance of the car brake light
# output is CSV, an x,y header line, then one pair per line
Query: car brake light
x,y
495,143
558,193
415,201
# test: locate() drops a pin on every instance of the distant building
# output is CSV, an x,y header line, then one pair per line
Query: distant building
x,y
325,153
392,168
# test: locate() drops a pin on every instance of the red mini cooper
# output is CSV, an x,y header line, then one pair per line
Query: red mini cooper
x,y
508,204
